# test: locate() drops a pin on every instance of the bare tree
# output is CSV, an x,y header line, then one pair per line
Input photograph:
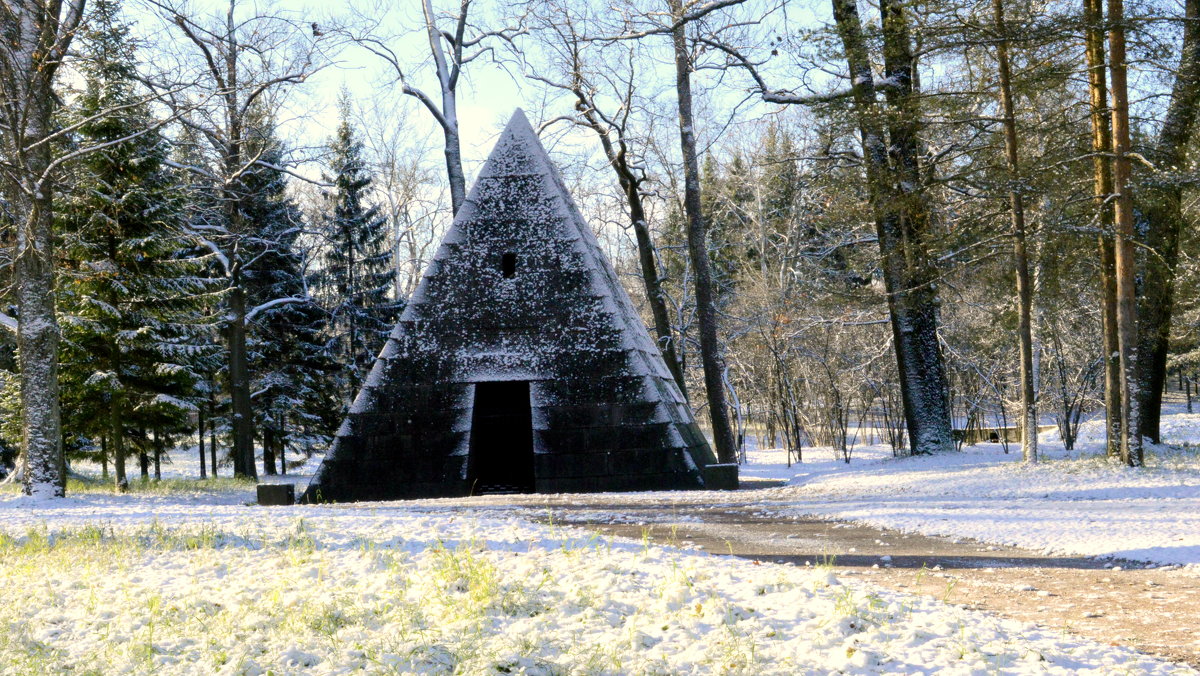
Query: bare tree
x,y
243,59
450,50
613,129
710,355
891,155
1029,416
405,188
36,36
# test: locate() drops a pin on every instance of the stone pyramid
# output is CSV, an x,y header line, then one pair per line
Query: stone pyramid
x,y
519,363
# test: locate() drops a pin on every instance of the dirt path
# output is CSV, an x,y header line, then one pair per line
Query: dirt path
x,y
1155,610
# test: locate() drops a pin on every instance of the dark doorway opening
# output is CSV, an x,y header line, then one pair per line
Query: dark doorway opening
x,y
501,439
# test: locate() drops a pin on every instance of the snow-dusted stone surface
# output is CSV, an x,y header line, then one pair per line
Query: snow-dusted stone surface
x,y
202,585
519,290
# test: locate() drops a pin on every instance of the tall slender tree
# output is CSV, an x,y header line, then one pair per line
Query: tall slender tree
x,y
1016,209
697,238
244,57
36,37
1126,273
358,276
1102,189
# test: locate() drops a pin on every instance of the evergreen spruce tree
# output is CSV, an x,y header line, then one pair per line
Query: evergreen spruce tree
x,y
133,336
358,275
290,366
202,213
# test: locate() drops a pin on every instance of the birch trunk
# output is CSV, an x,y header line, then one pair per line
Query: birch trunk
x,y
706,311
1029,418
449,112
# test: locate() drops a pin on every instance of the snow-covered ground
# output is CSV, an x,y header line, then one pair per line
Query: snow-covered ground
x,y
184,583
197,581
1071,503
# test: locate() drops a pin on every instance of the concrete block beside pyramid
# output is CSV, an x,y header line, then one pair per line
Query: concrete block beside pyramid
x,y
519,364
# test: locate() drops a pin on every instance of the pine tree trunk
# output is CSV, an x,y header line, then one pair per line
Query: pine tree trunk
x,y
281,451
200,439
242,416
1162,208
901,218
1126,272
212,427
117,434
104,457
1029,418
706,311
268,442
1093,13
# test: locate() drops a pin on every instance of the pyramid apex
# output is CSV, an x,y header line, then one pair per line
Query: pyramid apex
x,y
519,126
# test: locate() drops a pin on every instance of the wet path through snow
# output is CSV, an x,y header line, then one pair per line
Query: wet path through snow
x,y
1155,610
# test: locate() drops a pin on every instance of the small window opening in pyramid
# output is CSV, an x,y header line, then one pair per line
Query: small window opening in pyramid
x,y
555,389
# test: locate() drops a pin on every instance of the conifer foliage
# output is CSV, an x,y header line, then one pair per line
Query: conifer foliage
x,y
358,275
289,365
130,291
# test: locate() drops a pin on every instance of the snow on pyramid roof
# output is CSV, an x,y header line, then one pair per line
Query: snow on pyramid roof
x,y
519,291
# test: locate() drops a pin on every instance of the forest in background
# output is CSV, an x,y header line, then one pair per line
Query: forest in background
x,y
910,216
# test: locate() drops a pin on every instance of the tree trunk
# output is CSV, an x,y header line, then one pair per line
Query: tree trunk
x,y
158,449
268,442
212,428
630,185
200,439
706,311
449,112
901,219
104,457
1127,333
1162,207
242,416
36,38
1029,418
37,331
654,292
117,434
1093,14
